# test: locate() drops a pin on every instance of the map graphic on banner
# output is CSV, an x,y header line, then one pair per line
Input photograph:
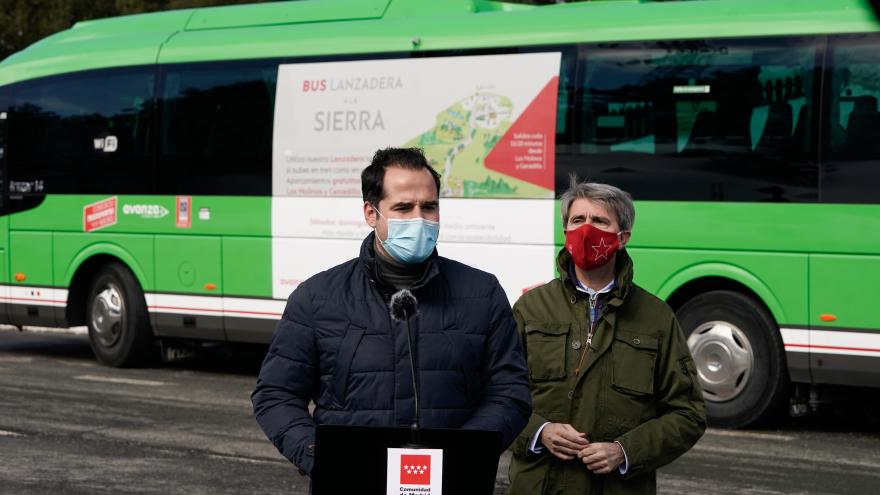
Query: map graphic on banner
x,y
486,123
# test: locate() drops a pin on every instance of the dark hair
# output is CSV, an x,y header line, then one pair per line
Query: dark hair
x,y
373,177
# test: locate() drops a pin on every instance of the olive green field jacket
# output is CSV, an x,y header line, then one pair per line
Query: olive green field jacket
x,y
636,385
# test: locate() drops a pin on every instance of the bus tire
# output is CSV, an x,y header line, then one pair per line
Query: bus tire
x,y
117,318
740,358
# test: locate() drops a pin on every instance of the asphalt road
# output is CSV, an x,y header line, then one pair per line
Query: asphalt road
x,y
69,425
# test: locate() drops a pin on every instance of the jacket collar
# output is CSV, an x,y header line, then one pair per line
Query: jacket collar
x,y
368,262
623,273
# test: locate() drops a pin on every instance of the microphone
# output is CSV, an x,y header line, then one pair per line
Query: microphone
x,y
404,306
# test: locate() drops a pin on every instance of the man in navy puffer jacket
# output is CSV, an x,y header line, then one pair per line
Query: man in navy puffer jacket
x,y
336,344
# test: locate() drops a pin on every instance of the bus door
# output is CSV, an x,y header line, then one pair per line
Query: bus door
x,y
4,220
25,250
844,321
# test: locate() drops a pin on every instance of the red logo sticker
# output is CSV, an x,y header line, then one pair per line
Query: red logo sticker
x,y
415,470
99,215
184,212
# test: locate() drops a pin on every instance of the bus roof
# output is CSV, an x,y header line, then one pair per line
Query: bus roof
x,y
330,27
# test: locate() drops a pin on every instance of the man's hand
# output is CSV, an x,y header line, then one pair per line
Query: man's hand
x,y
563,441
601,457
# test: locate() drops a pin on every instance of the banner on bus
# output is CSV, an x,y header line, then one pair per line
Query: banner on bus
x,y
486,123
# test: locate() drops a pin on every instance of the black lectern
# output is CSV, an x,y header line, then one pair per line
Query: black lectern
x,y
353,459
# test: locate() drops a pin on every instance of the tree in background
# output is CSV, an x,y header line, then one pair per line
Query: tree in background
x,y
23,22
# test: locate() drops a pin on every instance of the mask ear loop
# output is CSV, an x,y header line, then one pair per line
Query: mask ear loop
x,y
376,209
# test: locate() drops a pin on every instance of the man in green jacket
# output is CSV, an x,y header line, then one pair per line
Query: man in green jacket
x,y
614,389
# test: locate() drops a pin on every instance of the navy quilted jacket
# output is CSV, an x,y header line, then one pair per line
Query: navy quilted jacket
x,y
336,345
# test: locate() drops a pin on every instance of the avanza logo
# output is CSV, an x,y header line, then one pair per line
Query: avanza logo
x,y
145,211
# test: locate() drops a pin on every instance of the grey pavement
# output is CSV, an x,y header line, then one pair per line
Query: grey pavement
x,y
69,425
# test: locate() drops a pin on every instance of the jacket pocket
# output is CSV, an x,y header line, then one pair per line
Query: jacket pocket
x,y
545,348
344,358
634,356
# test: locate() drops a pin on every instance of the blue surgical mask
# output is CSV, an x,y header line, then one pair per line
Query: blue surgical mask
x,y
410,240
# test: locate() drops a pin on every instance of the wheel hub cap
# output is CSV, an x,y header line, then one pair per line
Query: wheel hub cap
x,y
724,359
107,316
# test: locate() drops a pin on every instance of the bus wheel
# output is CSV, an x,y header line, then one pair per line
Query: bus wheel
x,y
116,312
739,356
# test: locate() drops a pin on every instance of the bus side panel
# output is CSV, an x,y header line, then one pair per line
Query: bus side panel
x,y
73,249
247,272
189,286
31,293
782,283
247,266
844,342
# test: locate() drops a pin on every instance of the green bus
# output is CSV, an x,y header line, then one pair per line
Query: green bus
x,y
174,176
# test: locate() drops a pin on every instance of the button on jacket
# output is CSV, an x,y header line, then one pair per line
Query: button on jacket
x,y
337,345
637,384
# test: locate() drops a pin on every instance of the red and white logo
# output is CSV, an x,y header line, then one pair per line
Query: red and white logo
x,y
183,218
99,215
415,470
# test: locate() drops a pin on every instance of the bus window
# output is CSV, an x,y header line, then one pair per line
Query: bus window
x,y
850,171
565,99
699,120
82,133
216,128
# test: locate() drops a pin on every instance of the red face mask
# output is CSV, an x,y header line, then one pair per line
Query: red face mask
x,y
591,247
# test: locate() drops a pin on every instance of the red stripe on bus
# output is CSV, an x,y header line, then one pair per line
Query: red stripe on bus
x,y
216,310
186,309
835,347
277,315
32,299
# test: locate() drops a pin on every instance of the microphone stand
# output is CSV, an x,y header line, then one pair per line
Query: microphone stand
x,y
414,428
403,307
